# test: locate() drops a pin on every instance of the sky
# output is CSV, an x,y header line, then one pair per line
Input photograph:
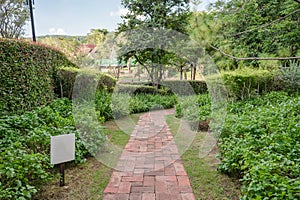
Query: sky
x,y
78,17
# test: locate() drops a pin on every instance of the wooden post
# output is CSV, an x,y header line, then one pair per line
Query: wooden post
x,y
62,175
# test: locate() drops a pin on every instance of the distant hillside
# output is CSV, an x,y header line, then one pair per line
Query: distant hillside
x,y
79,38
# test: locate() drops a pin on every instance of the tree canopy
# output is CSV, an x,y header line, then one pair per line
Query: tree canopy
x,y
139,26
96,36
13,17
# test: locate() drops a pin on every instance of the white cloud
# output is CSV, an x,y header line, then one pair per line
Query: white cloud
x,y
57,31
120,12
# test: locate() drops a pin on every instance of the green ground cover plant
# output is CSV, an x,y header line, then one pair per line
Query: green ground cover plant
x,y
263,148
260,145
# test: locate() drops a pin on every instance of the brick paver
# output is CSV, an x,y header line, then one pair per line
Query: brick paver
x,y
150,166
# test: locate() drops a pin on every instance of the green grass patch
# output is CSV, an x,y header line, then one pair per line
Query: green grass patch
x,y
118,131
206,181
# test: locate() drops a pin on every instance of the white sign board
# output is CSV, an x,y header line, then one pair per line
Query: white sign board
x,y
62,148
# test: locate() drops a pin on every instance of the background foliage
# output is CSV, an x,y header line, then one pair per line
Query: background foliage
x,y
256,28
146,17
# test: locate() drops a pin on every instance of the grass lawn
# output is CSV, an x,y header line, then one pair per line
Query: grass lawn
x,y
206,181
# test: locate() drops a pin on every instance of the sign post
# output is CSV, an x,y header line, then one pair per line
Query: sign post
x,y
62,150
62,174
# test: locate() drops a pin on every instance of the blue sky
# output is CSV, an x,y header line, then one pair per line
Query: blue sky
x,y
77,17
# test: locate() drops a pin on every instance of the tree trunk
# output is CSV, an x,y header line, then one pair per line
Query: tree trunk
x,y
195,71
129,66
61,89
181,72
118,74
191,71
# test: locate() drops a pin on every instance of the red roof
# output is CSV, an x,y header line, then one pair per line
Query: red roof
x,y
85,49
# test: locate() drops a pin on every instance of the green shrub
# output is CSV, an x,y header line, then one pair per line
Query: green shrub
x,y
141,89
135,89
106,82
178,87
120,105
245,83
103,105
144,103
186,87
66,77
195,109
89,128
27,75
123,104
290,76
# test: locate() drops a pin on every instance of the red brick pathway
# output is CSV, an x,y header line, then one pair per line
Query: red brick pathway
x,y
150,166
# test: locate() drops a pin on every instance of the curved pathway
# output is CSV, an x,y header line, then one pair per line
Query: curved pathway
x,y
150,167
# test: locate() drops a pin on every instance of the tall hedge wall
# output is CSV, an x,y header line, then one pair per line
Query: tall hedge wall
x,y
27,74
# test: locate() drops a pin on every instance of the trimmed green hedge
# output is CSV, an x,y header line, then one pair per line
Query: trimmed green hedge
x,y
136,89
27,74
179,87
244,83
186,87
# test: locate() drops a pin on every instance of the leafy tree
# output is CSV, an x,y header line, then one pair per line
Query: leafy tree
x,y
96,36
13,17
146,19
66,44
105,47
248,31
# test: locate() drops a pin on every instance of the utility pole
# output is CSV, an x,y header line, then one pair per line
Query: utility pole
x,y
32,20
